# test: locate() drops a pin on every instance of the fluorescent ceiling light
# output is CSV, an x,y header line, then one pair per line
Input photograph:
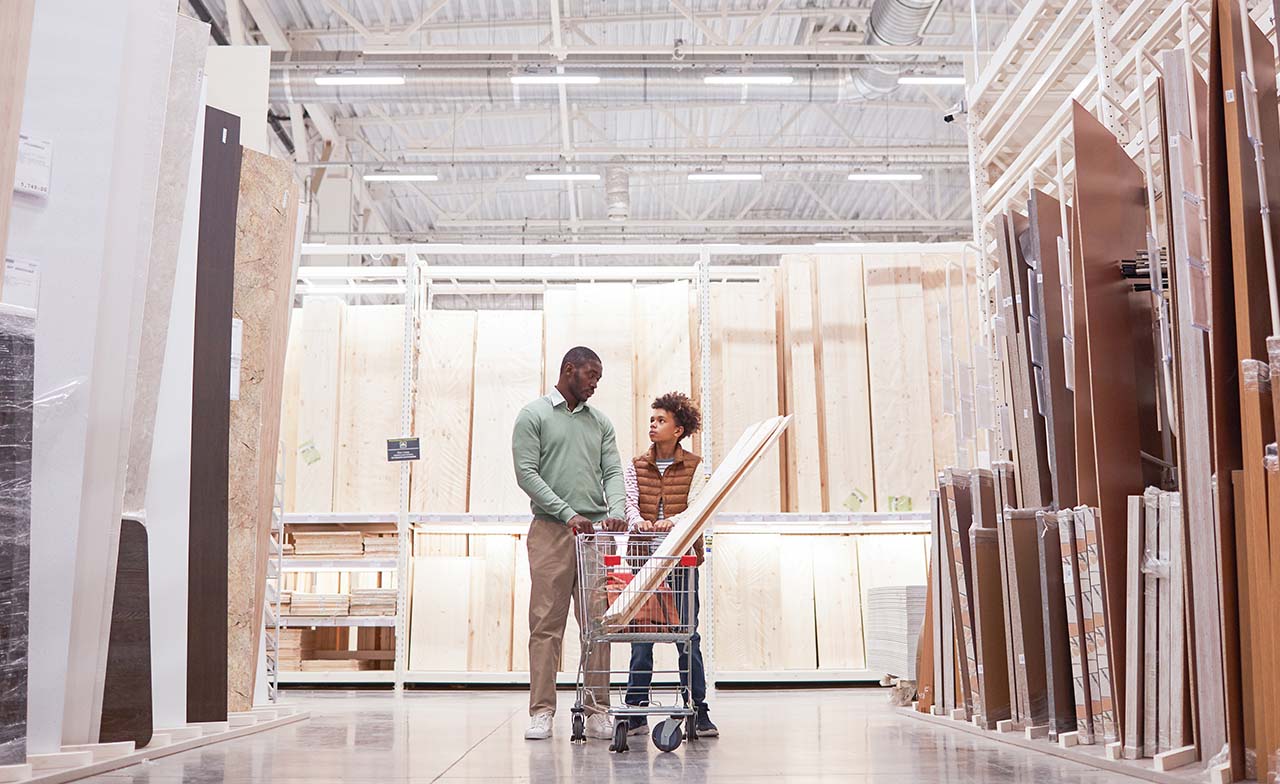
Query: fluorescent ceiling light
x,y
777,79
886,177
725,177
353,79
563,176
555,78
938,79
393,177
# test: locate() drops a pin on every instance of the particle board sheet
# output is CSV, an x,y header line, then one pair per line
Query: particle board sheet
x,y
1257,429
846,392
1057,647
744,367
1135,661
369,407
664,356
806,440
1110,208
837,600
1028,420
899,383
957,512
265,234
210,417
439,624
926,649
940,353
508,376
493,585
1005,497
181,114
126,694
442,411
17,376
993,675
15,44
289,409
1028,617
319,384
1074,583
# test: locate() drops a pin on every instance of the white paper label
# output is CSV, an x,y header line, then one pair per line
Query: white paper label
x,y
22,282
237,333
34,166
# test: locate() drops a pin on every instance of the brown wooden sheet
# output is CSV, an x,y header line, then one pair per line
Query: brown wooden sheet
x,y
989,620
1060,692
956,594
1022,530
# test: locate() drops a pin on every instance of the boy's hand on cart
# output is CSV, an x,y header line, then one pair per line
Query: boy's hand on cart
x,y
581,525
663,525
614,524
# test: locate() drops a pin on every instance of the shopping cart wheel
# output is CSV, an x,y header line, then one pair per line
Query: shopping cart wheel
x,y
620,728
579,728
667,735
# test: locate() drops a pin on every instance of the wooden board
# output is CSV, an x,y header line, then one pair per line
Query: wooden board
x,y
899,384
1073,585
439,624
846,395
1104,698
926,648
442,412
748,619
1151,627
890,559
1257,430
1176,659
17,376
369,403
993,673
493,584
508,376
1028,642
15,44
265,236
806,438
126,694
837,601
745,372
941,354
210,417
319,376
289,408
1028,420
1058,674
957,512
605,320
520,608
1135,662
664,356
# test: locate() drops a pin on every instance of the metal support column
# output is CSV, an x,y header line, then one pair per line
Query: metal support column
x,y
707,599
403,542
1107,56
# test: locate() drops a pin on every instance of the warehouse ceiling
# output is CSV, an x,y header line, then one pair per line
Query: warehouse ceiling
x,y
793,96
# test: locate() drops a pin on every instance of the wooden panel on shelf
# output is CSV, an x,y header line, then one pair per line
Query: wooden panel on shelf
x,y
806,438
836,591
319,374
369,409
442,411
508,376
899,383
744,369
606,320
520,608
926,648
492,587
940,351
289,409
846,395
664,355
993,676
439,622
747,575
958,516
890,559
1257,430
1028,421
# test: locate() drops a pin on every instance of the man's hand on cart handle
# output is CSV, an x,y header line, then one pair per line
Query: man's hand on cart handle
x,y
581,525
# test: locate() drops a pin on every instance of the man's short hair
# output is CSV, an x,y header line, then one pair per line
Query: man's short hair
x,y
579,355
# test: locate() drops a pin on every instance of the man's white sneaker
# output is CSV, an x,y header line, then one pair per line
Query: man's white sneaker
x,y
599,727
540,726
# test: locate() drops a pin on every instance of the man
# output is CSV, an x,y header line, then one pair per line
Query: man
x,y
660,484
566,461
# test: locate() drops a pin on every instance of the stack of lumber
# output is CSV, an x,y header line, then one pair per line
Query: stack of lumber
x,y
328,543
381,544
373,601
320,604
295,646
894,616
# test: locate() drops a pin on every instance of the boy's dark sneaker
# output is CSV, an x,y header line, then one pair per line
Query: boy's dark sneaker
x,y
639,725
705,726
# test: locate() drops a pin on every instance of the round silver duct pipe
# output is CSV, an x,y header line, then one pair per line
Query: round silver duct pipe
x,y
892,23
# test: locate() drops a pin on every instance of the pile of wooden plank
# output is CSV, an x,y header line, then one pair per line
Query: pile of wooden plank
x,y
373,601
320,604
295,645
330,543
894,616
381,544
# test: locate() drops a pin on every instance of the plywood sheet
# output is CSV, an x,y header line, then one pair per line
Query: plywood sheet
x,y
442,411
664,357
941,354
319,377
601,318
15,44
289,409
210,418
520,608
899,383
846,396
890,559
989,621
369,406
837,597
489,644
748,615
806,438
745,371
439,623
508,376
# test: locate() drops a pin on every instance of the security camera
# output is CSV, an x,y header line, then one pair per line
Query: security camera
x,y
956,112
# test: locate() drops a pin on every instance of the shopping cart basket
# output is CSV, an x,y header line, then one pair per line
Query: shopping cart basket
x,y
607,563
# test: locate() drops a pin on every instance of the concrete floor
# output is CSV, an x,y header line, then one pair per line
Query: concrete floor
x,y
453,736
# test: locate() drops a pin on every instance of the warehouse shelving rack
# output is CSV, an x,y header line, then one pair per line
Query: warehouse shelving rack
x,y
416,280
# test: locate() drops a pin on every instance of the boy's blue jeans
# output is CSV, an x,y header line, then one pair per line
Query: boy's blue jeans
x,y
691,668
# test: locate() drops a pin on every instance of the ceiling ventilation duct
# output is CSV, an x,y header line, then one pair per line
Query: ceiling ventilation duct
x,y
617,192
892,23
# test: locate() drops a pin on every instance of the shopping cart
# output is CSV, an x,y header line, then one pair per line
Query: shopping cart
x,y
607,562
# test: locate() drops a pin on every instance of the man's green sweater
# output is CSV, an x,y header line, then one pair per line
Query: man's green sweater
x,y
567,461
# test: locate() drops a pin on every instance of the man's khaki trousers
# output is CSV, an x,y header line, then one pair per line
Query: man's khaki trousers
x,y
553,573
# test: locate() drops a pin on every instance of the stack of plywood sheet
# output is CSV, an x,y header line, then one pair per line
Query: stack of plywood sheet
x,y
373,601
295,646
320,604
328,543
381,544
892,620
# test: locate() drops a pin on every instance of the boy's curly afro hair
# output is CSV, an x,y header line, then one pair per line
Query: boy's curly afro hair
x,y
686,414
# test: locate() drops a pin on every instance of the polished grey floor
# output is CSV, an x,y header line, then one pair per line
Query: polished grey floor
x,y
455,736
